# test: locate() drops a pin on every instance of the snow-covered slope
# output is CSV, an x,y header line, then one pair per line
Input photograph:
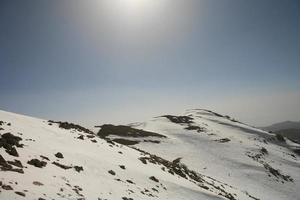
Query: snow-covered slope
x,y
42,159
198,155
247,162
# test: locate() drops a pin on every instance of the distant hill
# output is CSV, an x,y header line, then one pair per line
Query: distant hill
x,y
283,126
293,134
287,129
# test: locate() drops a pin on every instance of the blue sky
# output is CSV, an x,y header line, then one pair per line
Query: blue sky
x,y
95,62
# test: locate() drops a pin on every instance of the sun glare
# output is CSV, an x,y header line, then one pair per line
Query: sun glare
x,y
135,4
138,8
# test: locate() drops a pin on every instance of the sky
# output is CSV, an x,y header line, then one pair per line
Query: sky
x,y
121,61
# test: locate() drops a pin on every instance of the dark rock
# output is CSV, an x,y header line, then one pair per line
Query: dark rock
x,y
68,126
204,187
21,194
143,159
153,179
12,151
129,181
112,172
10,139
16,163
7,166
223,140
179,119
6,187
44,157
176,161
78,168
80,137
197,128
37,183
277,173
152,141
264,150
61,165
125,131
122,166
110,142
59,155
2,160
37,163
127,198
125,141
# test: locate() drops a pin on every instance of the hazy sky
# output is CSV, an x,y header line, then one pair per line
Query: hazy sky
x,y
122,61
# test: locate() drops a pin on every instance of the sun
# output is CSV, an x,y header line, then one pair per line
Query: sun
x,y
132,14
137,8
135,4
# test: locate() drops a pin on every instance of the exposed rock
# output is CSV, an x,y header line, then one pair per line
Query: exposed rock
x,y
12,151
277,173
196,128
81,137
20,193
179,119
223,140
16,163
125,141
37,163
61,165
78,168
176,161
37,183
264,150
122,166
127,198
112,172
59,155
6,187
8,139
130,181
68,126
125,131
44,157
153,179
7,165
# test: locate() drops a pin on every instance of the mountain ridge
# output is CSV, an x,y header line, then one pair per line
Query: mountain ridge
x,y
173,157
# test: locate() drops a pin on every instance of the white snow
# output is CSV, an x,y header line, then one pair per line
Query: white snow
x,y
97,159
226,165
228,162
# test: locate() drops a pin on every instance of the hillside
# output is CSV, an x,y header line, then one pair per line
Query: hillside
x,y
282,126
287,129
248,159
292,134
199,155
